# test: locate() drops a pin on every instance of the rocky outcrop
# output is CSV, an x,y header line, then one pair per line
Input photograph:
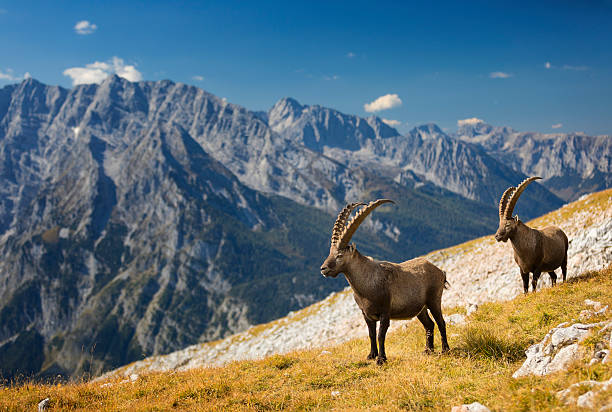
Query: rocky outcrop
x,y
573,398
557,351
561,348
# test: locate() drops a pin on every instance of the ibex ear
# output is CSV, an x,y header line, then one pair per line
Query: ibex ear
x,y
351,247
516,219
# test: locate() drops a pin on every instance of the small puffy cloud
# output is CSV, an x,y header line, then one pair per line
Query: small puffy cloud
x,y
391,122
3,11
9,75
557,126
334,77
469,122
350,55
96,72
575,68
85,27
198,78
547,65
500,75
388,101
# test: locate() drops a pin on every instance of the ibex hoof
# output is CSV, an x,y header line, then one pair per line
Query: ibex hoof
x,y
372,356
428,351
380,360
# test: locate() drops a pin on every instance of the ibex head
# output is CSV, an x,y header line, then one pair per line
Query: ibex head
x,y
340,251
507,223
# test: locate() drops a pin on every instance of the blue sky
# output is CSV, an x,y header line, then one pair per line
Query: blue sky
x,y
543,68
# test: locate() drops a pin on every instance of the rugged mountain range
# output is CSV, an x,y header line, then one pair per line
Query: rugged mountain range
x,y
424,155
139,218
571,164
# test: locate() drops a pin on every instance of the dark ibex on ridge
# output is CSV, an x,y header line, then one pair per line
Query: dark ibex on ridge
x,y
385,290
535,251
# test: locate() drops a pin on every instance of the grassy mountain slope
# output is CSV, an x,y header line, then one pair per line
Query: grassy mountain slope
x,y
486,351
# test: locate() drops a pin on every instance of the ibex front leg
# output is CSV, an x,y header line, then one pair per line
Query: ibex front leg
x,y
372,330
534,280
382,332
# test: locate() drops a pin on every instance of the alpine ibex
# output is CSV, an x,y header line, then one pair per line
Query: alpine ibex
x,y
535,251
385,290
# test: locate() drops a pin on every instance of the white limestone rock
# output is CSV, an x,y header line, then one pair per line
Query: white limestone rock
x,y
557,351
472,407
455,319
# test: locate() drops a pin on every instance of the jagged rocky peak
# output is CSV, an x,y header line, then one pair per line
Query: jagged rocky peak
x,y
473,127
427,131
287,106
317,127
382,129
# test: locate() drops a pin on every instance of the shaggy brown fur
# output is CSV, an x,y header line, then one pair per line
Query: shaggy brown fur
x,y
385,290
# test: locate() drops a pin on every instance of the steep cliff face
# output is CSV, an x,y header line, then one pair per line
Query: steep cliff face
x,y
139,218
571,164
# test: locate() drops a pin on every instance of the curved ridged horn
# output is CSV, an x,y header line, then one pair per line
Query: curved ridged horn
x,y
516,194
504,201
339,226
354,223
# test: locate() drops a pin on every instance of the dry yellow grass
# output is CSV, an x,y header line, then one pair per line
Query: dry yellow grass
x,y
486,353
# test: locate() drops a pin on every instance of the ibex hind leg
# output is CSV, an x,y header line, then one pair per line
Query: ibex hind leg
x,y
564,268
553,277
428,324
436,311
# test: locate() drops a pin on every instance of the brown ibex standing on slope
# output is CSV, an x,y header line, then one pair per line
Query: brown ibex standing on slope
x,y
385,290
535,251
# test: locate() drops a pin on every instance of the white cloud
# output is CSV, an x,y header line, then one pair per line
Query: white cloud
x,y
576,68
350,55
388,101
500,75
547,65
85,27
334,77
10,76
98,71
198,78
3,11
391,122
557,126
469,122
